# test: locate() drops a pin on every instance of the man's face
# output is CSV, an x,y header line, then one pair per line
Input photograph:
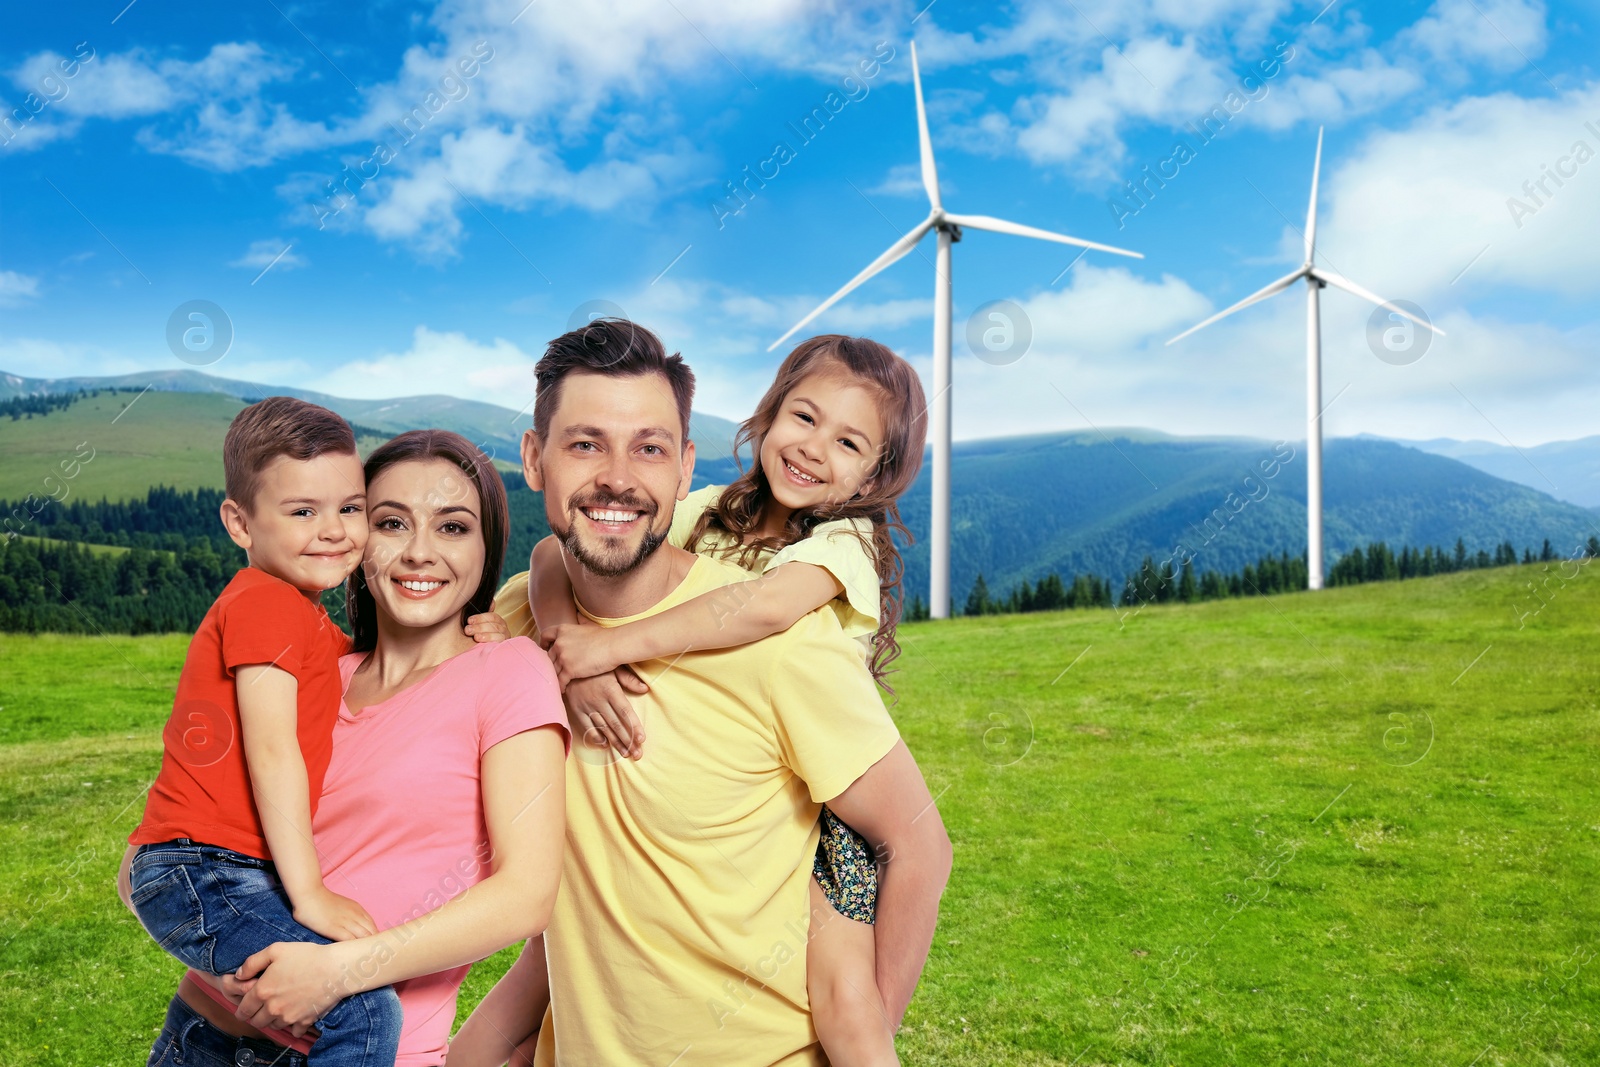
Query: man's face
x,y
612,467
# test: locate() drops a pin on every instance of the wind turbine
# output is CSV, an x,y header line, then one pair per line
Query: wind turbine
x,y
949,227
1316,280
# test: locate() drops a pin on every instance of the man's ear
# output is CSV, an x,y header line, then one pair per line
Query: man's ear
x,y
686,475
236,522
531,450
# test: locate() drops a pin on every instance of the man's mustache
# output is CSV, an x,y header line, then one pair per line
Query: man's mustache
x,y
625,502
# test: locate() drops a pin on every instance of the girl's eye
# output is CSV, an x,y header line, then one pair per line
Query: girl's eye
x,y
351,509
809,421
301,513
851,445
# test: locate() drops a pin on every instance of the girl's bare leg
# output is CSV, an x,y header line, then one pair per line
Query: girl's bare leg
x,y
841,977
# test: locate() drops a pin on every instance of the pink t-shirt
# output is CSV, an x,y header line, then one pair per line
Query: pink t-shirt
x,y
400,828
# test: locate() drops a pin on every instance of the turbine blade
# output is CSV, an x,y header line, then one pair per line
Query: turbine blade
x,y
895,253
930,175
1351,287
1254,298
989,222
1311,211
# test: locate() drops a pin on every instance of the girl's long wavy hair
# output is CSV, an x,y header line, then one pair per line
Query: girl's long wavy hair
x,y
494,520
739,510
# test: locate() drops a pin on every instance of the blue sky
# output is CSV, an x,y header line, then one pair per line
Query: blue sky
x,y
585,155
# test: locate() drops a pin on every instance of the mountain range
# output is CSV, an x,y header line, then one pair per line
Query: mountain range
x,y
1094,502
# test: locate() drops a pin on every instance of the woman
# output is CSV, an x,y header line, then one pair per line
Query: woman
x,y
447,774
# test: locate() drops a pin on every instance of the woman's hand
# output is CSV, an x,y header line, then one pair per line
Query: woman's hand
x,y
291,984
334,917
600,713
578,651
487,628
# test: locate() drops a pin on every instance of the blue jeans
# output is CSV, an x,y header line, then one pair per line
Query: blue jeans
x,y
187,1039
213,909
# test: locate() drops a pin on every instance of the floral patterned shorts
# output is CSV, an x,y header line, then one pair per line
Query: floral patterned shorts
x,y
845,870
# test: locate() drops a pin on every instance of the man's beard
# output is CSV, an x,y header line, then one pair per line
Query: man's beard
x,y
613,564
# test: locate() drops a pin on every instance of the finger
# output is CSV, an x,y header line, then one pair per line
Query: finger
x,y
628,727
617,735
248,1007
629,679
254,965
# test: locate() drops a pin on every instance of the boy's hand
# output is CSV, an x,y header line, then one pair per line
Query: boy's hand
x,y
487,628
578,651
600,706
334,917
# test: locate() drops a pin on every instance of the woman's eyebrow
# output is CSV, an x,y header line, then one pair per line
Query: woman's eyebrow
x,y
454,508
392,504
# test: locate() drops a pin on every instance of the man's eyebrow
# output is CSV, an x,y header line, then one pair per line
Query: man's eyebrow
x,y
654,431
571,432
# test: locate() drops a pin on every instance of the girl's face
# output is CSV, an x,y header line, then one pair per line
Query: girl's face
x,y
425,553
823,445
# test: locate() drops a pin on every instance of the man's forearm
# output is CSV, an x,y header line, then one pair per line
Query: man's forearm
x,y
909,887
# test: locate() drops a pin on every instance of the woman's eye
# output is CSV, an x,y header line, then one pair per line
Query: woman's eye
x,y
391,523
453,528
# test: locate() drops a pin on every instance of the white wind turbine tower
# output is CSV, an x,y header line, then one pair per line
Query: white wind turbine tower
x,y
1316,279
949,226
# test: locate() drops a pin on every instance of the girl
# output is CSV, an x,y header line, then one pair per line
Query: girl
x,y
839,437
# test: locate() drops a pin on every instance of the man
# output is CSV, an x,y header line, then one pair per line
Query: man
x,y
680,931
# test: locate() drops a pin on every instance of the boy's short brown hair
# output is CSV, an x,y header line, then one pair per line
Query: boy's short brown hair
x,y
278,426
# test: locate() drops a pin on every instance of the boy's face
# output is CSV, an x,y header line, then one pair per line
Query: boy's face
x,y
308,523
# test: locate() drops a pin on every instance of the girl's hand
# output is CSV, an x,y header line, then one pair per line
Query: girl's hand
x,y
487,628
600,713
578,651
293,983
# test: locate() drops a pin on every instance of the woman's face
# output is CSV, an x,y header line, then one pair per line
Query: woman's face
x,y
425,555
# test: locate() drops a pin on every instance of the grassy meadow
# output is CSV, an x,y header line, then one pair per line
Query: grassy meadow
x,y
1354,827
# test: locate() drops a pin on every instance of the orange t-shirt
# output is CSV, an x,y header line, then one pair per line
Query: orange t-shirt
x,y
203,791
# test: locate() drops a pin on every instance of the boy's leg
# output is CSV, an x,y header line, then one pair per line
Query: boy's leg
x,y
214,909
841,979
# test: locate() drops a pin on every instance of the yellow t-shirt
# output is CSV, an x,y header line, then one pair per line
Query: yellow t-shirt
x,y
842,547
683,913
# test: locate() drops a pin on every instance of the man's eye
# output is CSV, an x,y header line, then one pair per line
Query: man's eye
x,y
653,450
584,445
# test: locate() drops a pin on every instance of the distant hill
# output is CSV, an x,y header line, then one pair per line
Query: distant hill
x,y
497,430
1024,507
1027,506
1567,470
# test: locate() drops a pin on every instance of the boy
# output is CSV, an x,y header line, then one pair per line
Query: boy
x,y
225,864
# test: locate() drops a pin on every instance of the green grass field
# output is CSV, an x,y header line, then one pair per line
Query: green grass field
x,y
1354,827
172,439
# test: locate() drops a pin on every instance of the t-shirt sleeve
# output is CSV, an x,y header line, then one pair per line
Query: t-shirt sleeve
x,y
266,622
511,604
688,512
842,548
518,692
832,725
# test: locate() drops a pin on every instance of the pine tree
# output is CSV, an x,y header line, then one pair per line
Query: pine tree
x,y
978,602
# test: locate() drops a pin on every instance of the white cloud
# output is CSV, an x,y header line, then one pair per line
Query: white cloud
x,y
445,362
272,252
17,289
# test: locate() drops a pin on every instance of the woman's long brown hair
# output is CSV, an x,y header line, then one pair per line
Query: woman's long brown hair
x,y
495,522
739,510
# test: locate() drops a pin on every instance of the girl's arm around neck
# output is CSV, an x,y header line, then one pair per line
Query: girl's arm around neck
x,y
549,588
727,617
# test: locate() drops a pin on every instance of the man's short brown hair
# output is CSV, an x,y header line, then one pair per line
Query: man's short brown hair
x,y
278,426
614,347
